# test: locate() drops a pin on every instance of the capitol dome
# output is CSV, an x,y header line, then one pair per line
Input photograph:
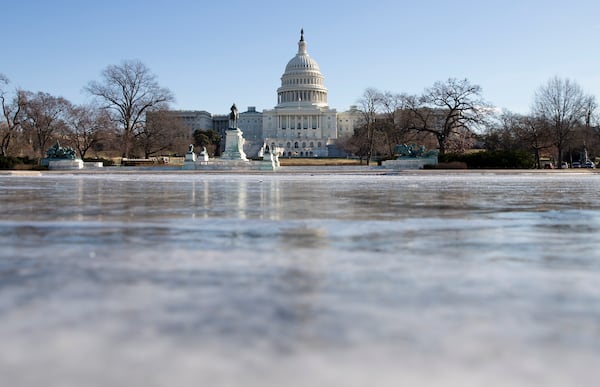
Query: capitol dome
x,y
302,81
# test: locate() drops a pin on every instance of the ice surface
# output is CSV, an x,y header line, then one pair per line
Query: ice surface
x,y
299,280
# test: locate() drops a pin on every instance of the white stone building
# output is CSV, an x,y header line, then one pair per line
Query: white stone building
x,y
301,124
195,119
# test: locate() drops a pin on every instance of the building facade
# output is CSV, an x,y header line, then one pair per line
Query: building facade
x,y
301,124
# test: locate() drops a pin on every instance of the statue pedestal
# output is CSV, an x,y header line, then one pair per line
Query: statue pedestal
x,y
203,157
234,145
65,164
410,163
268,163
190,157
270,160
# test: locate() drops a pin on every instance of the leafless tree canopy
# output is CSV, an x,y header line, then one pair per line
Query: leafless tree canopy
x,y
519,133
562,105
449,110
368,103
129,90
87,126
12,109
163,132
44,119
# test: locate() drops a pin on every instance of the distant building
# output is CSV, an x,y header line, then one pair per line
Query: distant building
x,y
301,124
194,119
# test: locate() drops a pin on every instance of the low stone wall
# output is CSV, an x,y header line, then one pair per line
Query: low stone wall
x,y
65,164
409,163
93,164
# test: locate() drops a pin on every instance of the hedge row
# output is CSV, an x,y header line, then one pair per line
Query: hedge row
x,y
503,159
9,162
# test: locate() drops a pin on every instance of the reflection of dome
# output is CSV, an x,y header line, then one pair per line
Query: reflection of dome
x,y
302,81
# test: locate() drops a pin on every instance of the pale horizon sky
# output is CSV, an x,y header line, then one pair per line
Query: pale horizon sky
x,y
213,54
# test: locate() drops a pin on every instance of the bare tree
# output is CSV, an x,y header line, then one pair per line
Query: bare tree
x,y
11,111
369,103
396,130
87,126
449,110
562,104
44,118
129,90
161,132
533,133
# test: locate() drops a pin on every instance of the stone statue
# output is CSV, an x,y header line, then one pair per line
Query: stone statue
x,y
58,152
233,117
412,151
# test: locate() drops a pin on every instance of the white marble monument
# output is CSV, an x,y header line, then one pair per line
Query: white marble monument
x,y
270,159
234,140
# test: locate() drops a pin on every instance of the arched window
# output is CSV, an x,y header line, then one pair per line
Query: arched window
x,y
288,145
319,144
303,145
312,144
296,145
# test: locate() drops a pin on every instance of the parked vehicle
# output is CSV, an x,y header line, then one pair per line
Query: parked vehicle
x,y
589,164
576,164
564,165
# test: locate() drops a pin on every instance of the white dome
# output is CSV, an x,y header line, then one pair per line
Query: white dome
x,y
302,81
302,61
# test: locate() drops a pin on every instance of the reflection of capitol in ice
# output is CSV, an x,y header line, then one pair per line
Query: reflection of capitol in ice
x,y
242,198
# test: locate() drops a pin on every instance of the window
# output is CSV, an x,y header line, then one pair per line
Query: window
x,y
296,145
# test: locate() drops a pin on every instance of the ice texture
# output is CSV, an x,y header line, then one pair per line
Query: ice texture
x,y
423,279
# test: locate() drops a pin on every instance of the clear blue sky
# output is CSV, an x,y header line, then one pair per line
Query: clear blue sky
x,y
210,54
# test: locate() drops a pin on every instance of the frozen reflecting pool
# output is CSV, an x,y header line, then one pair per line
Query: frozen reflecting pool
x,y
424,279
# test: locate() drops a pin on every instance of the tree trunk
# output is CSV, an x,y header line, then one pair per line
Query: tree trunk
x,y
442,144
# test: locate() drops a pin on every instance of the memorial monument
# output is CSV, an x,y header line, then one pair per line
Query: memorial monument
x,y
58,157
234,140
190,158
411,157
270,159
203,156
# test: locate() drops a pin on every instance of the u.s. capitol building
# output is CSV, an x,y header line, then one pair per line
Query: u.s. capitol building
x,y
301,124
